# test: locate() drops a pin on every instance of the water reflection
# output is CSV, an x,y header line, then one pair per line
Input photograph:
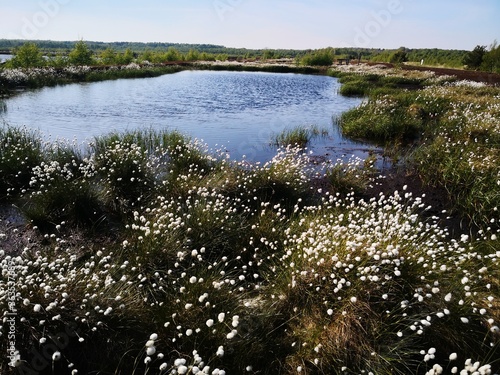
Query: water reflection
x,y
236,111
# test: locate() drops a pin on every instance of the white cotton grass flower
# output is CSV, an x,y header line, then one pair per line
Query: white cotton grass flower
x,y
151,350
436,370
179,362
453,356
236,321
209,323
220,351
221,317
56,356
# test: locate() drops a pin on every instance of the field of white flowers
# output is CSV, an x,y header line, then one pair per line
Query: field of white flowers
x,y
149,255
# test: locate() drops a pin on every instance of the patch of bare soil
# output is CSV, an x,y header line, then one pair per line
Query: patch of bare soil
x,y
15,234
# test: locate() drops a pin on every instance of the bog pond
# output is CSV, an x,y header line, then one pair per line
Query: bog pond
x,y
237,112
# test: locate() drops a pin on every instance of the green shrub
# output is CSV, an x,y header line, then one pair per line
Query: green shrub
x,y
322,57
26,56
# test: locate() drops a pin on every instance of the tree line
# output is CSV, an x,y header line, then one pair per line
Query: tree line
x,y
30,55
55,53
483,58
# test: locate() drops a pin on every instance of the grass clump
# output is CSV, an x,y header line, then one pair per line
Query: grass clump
x,y
363,296
353,176
298,136
381,120
373,84
21,150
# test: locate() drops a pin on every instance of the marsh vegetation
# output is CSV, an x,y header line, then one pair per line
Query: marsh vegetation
x,y
149,254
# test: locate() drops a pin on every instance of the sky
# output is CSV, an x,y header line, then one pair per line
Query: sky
x,y
259,24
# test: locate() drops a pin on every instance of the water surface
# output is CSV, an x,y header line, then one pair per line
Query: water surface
x,y
236,111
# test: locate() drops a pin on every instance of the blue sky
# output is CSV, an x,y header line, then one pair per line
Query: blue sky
x,y
296,24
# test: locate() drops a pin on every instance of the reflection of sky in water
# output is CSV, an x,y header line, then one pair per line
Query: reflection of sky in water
x,y
238,111
4,58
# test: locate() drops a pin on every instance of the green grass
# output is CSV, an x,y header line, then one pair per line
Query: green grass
x,y
447,131
21,149
153,256
372,84
299,136
382,121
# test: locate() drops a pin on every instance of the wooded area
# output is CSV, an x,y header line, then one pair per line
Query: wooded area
x,y
58,52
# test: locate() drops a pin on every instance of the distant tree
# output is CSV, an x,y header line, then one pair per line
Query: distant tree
x,y
58,60
127,57
322,57
173,55
399,57
108,56
26,56
192,55
221,57
81,54
147,55
474,59
268,54
491,59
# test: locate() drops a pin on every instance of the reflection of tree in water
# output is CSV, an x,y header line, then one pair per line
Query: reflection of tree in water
x,y
3,107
